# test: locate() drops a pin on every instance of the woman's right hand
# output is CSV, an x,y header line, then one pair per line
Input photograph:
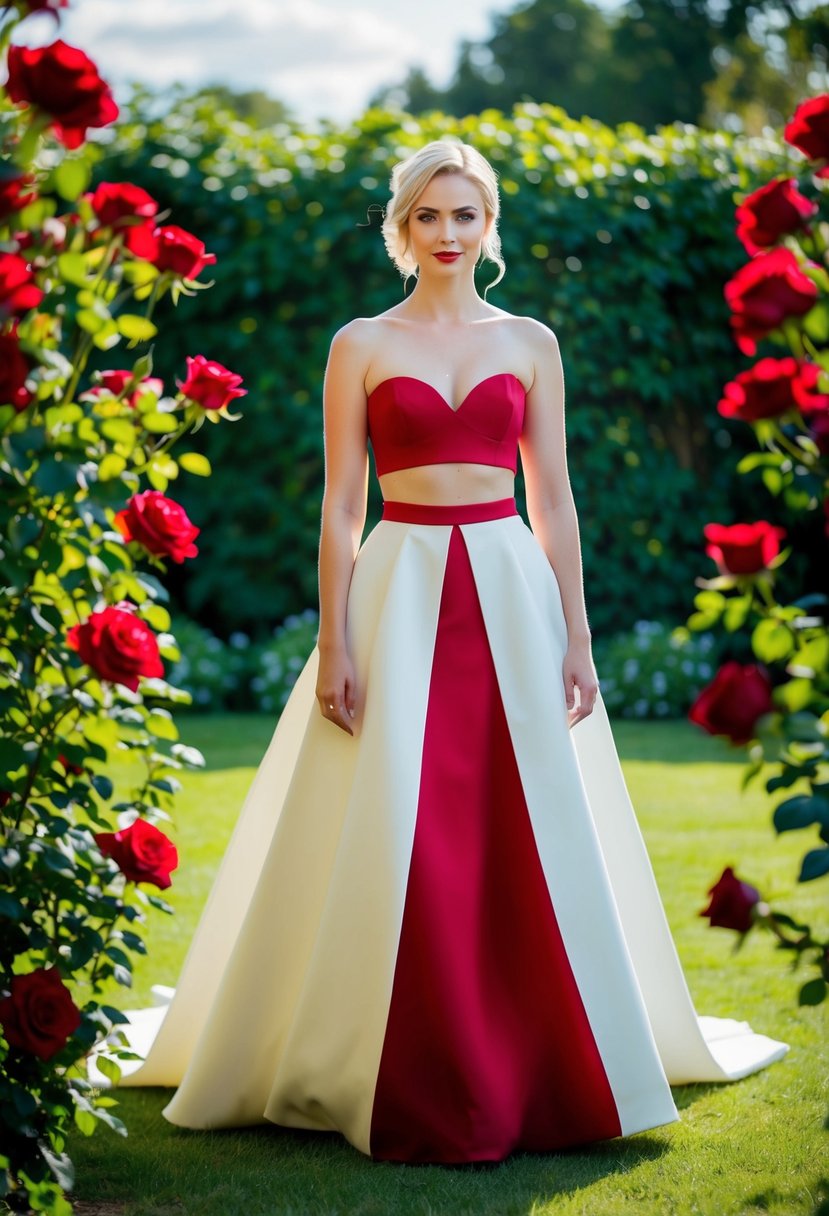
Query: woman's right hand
x,y
336,691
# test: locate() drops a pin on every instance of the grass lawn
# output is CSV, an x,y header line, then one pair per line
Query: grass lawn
x,y
752,1146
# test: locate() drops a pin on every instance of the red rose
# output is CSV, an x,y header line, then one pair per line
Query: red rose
x,y
13,196
731,903
141,851
115,380
176,250
743,548
770,212
159,524
733,702
39,1014
210,384
50,6
18,290
808,128
63,82
118,646
773,387
115,202
15,366
763,293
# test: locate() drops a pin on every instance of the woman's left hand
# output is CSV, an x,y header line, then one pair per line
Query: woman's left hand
x,y
579,671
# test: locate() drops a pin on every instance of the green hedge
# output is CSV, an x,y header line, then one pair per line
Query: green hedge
x,y
620,240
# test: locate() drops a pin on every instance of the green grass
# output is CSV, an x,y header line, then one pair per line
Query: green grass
x,y
753,1146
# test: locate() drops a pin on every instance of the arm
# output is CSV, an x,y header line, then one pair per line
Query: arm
x,y
552,514
343,516
550,506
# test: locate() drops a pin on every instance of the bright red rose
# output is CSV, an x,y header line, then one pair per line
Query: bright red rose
x,y
141,851
15,366
770,388
743,548
731,903
13,192
733,702
763,293
63,82
115,380
39,1014
808,129
118,646
18,290
159,524
210,384
176,250
115,202
770,212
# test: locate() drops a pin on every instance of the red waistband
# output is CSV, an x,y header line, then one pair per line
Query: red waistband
x,y
455,513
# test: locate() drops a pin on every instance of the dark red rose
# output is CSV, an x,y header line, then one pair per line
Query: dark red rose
x,y
14,192
46,6
808,128
770,212
63,82
15,366
118,646
117,202
39,1014
210,384
141,851
115,380
159,524
733,702
732,903
763,293
743,548
770,388
18,290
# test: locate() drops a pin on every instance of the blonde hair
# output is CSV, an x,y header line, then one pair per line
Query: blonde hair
x,y
410,177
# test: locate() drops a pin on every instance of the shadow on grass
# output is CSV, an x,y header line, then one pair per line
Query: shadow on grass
x,y
161,1169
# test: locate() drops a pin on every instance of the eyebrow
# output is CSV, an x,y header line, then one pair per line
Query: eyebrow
x,y
435,211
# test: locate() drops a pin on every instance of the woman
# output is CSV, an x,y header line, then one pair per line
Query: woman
x,y
436,929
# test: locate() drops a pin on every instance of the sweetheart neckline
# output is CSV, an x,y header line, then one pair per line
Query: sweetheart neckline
x,y
439,394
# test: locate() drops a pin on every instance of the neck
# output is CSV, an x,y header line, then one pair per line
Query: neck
x,y
446,301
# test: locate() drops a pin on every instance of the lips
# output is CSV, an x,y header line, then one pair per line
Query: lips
x,y
447,257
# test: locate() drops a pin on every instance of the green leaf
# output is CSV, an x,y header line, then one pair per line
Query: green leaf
x,y
138,329
813,992
771,640
800,812
158,423
815,865
194,462
72,177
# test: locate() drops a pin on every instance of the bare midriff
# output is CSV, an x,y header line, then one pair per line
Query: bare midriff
x,y
448,484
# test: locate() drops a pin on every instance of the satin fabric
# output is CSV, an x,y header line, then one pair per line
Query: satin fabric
x,y
441,937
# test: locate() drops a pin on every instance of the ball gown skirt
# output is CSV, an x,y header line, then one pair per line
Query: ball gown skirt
x,y
441,936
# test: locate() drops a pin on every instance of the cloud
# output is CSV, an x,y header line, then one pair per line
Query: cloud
x,y
319,57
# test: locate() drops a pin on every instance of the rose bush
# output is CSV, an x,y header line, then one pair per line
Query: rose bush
x,y
778,706
87,525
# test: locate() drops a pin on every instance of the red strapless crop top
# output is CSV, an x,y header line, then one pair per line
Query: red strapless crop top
x,y
410,423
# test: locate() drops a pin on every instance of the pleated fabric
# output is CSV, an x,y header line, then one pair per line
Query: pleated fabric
x,y
441,937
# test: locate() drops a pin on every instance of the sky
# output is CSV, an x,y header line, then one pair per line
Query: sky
x,y
322,57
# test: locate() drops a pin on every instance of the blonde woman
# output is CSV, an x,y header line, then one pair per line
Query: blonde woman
x,y
436,928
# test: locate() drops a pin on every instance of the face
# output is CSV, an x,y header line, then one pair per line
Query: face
x,y
448,217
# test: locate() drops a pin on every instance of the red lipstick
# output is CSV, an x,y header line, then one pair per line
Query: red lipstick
x,y
447,257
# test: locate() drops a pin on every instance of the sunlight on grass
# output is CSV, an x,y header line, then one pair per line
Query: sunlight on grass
x,y
753,1146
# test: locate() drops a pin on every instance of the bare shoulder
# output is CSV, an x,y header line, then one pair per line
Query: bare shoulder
x,y
539,337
